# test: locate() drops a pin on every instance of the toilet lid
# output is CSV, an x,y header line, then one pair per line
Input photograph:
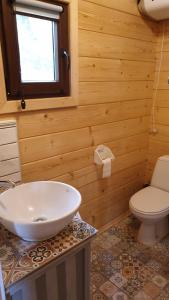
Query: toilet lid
x,y
150,200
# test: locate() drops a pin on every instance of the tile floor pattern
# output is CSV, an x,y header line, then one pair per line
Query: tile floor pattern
x,y
124,269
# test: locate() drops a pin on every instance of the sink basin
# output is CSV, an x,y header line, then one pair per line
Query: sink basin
x,y
36,211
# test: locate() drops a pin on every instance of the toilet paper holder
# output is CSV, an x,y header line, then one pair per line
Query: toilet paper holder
x,y
101,153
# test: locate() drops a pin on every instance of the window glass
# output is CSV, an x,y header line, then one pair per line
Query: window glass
x,y
38,49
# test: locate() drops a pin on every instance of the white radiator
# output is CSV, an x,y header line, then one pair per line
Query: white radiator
x,y
9,152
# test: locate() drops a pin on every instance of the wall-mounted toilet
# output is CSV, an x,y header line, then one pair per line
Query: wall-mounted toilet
x,y
151,205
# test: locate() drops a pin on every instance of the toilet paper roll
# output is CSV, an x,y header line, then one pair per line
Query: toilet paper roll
x,y
106,167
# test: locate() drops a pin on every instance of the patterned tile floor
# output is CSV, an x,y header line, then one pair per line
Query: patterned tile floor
x,y
124,269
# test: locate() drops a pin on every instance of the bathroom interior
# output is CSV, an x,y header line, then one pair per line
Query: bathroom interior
x,y
84,155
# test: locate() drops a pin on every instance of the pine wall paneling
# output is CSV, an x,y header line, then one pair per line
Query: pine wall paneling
x,y
159,143
116,73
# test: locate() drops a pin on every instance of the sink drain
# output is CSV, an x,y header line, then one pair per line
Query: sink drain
x,y
40,219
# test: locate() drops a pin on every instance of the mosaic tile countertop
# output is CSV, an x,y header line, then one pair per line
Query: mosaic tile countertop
x,y
20,258
123,269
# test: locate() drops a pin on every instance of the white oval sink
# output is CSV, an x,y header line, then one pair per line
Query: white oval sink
x,y
38,210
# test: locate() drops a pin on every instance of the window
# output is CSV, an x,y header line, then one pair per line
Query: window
x,y
35,48
39,63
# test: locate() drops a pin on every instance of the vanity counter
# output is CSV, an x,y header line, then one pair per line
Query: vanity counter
x,y
19,258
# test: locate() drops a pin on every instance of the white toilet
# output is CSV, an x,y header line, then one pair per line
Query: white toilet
x,y
151,205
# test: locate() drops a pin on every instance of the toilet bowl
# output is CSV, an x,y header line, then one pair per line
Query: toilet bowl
x,y
151,205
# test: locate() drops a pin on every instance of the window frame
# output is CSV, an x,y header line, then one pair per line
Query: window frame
x,y
15,87
53,102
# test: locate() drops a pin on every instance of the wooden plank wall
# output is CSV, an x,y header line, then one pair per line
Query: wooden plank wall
x,y
159,143
117,63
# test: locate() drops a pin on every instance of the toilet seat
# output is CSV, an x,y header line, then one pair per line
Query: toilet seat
x,y
150,200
